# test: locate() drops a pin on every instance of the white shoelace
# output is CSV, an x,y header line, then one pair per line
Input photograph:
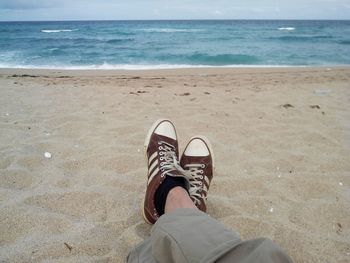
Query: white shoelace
x,y
195,175
169,161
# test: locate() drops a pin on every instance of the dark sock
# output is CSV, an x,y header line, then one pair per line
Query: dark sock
x,y
162,192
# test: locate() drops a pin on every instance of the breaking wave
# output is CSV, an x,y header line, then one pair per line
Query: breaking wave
x,y
56,30
286,28
169,30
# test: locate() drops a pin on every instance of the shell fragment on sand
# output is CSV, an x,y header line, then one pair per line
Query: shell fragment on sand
x,y
322,91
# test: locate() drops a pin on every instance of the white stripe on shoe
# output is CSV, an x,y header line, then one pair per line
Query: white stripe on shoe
x,y
206,180
154,164
205,189
154,155
152,175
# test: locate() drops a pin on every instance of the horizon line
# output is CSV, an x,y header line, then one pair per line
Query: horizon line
x,y
197,19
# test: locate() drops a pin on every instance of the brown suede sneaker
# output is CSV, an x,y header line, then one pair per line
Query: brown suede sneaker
x,y
198,161
162,155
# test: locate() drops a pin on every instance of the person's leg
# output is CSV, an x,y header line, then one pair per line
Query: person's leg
x,y
167,191
257,250
190,235
184,233
178,198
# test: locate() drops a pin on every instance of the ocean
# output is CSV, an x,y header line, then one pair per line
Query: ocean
x,y
173,44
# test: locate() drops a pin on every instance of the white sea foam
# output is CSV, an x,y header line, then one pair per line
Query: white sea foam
x,y
286,28
170,30
56,30
106,66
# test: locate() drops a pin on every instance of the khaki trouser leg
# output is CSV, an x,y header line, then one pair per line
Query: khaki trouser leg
x,y
189,235
256,250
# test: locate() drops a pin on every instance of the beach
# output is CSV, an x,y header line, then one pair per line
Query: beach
x,y
73,171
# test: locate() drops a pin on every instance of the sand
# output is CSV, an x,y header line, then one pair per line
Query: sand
x,y
281,138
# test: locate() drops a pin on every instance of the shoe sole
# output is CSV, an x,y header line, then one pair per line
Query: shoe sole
x,y
145,145
208,144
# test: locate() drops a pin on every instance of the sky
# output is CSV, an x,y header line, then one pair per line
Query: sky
x,y
43,10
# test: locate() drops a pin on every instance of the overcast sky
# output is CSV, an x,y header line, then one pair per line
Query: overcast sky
x,y
174,9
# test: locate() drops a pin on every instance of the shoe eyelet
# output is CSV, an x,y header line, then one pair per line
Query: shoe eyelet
x,y
161,164
162,169
201,172
201,177
161,158
160,148
203,165
159,143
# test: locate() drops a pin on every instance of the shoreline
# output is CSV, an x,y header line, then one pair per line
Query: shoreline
x,y
166,71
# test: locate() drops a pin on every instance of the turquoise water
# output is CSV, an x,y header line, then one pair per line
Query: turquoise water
x,y
162,44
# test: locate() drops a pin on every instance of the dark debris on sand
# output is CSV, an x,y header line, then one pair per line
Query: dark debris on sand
x,y
69,247
287,106
315,107
184,94
24,76
138,92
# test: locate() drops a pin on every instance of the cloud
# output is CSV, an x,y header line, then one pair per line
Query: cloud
x,y
41,4
166,9
27,4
